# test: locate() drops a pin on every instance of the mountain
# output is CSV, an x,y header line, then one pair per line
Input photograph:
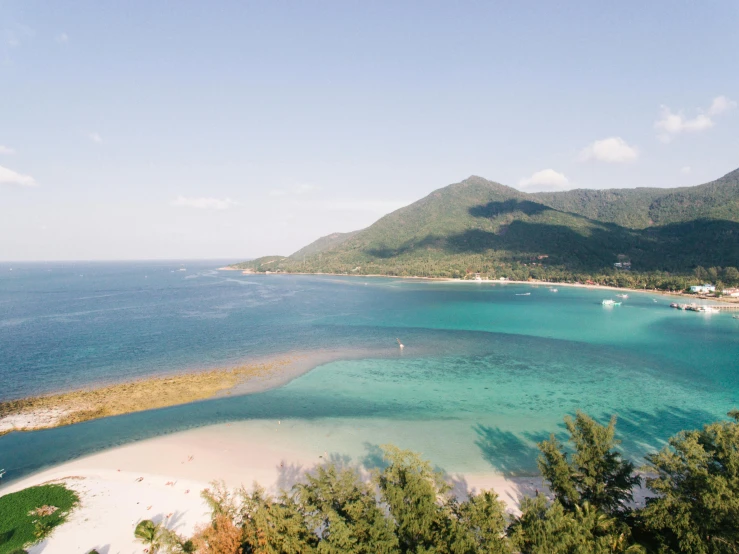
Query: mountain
x,y
482,226
644,207
324,243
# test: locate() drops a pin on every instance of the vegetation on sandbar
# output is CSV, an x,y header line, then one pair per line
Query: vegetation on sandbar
x,y
30,515
407,506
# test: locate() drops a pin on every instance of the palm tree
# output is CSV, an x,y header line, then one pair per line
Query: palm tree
x,y
150,534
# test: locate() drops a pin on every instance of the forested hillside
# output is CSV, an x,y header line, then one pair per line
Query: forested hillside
x,y
479,226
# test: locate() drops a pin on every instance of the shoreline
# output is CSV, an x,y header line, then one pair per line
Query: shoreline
x,y
730,300
161,479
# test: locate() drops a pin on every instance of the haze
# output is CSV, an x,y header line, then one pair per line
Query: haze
x,y
141,130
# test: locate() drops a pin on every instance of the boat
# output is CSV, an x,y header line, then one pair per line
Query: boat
x,y
610,303
523,294
622,295
708,310
736,317
553,290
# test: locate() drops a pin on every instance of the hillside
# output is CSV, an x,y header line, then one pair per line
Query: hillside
x,y
644,207
322,244
482,226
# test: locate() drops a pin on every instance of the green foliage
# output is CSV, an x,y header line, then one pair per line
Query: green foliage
x,y
595,473
150,534
407,506
696,509
544,528
20,527
478,226
345,512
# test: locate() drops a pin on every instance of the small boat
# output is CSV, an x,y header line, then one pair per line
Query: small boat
x,y
523,294
622,295
736,317
400,344
708,310
553,290
610,303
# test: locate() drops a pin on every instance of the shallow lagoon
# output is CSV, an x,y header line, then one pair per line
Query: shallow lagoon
x,y
484,374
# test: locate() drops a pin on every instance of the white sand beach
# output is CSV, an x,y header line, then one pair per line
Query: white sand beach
x,y
161,479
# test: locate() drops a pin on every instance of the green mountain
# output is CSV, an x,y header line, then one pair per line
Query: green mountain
x,y
645,207
482,226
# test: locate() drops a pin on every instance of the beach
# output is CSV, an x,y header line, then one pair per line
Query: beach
x,y
161,479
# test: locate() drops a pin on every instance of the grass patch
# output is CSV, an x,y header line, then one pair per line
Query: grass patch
x,y
136,396
30,515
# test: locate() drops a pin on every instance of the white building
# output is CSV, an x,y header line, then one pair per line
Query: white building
x,y
702,289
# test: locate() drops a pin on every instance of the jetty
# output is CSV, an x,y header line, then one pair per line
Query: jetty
x,y
702,307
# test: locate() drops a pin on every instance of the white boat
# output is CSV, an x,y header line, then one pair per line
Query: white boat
x,y
622,295
610,303
523,294
553,290
708,310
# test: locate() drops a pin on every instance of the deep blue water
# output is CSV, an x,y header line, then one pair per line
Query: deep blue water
x,y
484,375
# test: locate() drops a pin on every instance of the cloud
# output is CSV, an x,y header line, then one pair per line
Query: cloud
x,y
610,150
95,137
546,179
720,105
203,203
6,150
10,177
671,124
685,169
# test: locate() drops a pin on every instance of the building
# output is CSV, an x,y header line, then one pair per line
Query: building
x,y
734,293
702,289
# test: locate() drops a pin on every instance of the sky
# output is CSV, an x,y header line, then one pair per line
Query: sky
x,y
190,129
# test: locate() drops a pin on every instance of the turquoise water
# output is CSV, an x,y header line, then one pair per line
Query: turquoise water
x,y
485,373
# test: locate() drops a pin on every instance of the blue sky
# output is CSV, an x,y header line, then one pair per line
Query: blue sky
x,y
139,129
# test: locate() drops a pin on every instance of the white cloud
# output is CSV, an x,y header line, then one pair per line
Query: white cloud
x,y
685,169
672,123
10,177
204,203
611,150
277,192
6,150
720,105
95,137
62,38
546,179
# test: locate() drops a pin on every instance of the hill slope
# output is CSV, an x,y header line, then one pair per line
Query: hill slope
x,y
644,207
482,226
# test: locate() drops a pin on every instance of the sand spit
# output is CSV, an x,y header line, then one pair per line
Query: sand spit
x,y
53,410
161,479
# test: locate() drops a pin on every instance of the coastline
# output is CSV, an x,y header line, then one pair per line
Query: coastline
x,y
731,300
175,468
161,479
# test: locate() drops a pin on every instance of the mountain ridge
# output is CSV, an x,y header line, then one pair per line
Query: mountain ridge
x,y
482,226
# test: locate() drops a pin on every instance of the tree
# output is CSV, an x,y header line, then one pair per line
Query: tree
x,y
595,473
544,528
273,526
344,510
150,534
696,509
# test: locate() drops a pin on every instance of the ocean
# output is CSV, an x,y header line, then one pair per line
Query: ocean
x,y
487,370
